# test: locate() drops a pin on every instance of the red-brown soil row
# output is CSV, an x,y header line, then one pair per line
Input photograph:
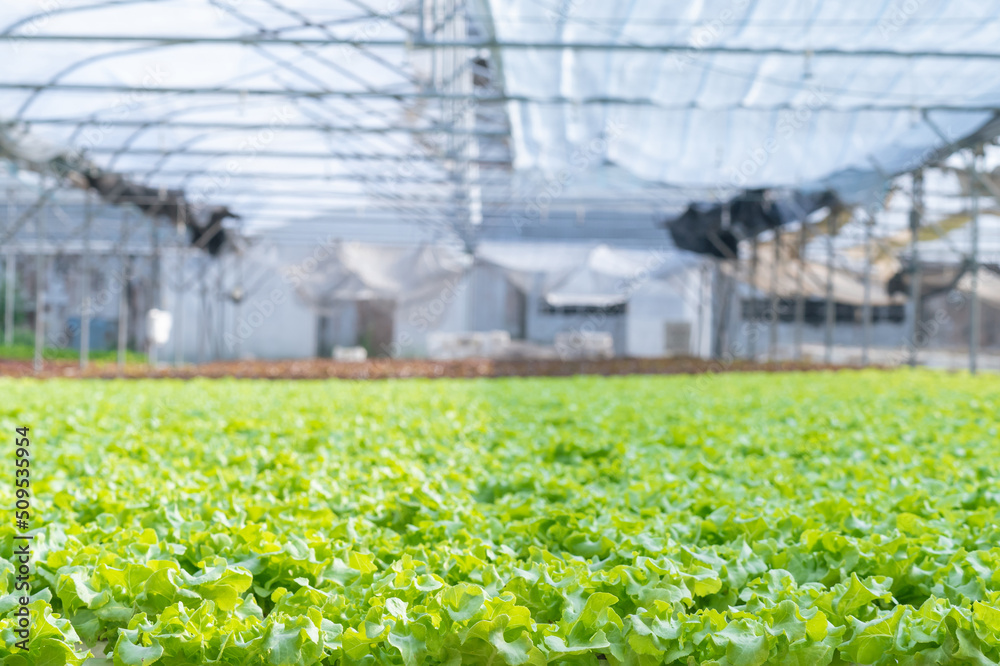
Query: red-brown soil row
x,y
400,368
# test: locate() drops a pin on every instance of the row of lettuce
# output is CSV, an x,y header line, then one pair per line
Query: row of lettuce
x,y
799,519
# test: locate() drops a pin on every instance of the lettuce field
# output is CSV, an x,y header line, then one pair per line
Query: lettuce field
x,y
827,518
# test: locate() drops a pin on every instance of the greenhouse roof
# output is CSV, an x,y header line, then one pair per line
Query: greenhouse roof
x,y
285,110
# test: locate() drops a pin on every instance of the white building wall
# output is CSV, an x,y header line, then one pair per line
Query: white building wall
x,y
270,322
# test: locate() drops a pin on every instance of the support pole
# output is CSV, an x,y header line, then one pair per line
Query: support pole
x,y
238,301
218,353
831,229
916,213
422,27
179,307
156,286
11,276
8,308
800,293
720,309
88,215
203,319
723,288
866,311
123,311
703,299
40,284
772,347
181,285
752,337
974,268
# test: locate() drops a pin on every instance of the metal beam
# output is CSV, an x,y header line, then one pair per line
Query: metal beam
x,y
290,154
284,127
276,176
91,88
268,40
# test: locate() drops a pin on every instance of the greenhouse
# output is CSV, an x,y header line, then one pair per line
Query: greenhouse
x,y
688,315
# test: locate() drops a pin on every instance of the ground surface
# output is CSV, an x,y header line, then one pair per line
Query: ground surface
x,y
730,519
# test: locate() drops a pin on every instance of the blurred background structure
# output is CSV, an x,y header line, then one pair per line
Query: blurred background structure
x,y
194,180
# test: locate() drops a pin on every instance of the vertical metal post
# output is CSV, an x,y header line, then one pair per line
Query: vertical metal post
x,y
719,309
703,282
723,288
179,307
220,298
181,285
155,242
772,348
800,293
156,267
866,311
203,319
40,285
8,308
831,229
974,269
238,303
916,213
11,276
88,218
123,310
752,336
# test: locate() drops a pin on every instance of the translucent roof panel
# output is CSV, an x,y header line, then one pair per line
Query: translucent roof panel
x,y
730,94
288,110
278,109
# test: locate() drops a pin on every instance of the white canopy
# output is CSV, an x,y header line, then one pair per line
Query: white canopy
x,y
288,110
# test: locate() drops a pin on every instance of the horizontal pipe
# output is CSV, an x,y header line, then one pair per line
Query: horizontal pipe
x,y
491,99
264,40
288,154
294,127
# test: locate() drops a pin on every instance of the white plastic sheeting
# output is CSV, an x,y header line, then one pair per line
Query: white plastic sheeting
x,y
361,271
561,274
702,121
723,121
597,276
